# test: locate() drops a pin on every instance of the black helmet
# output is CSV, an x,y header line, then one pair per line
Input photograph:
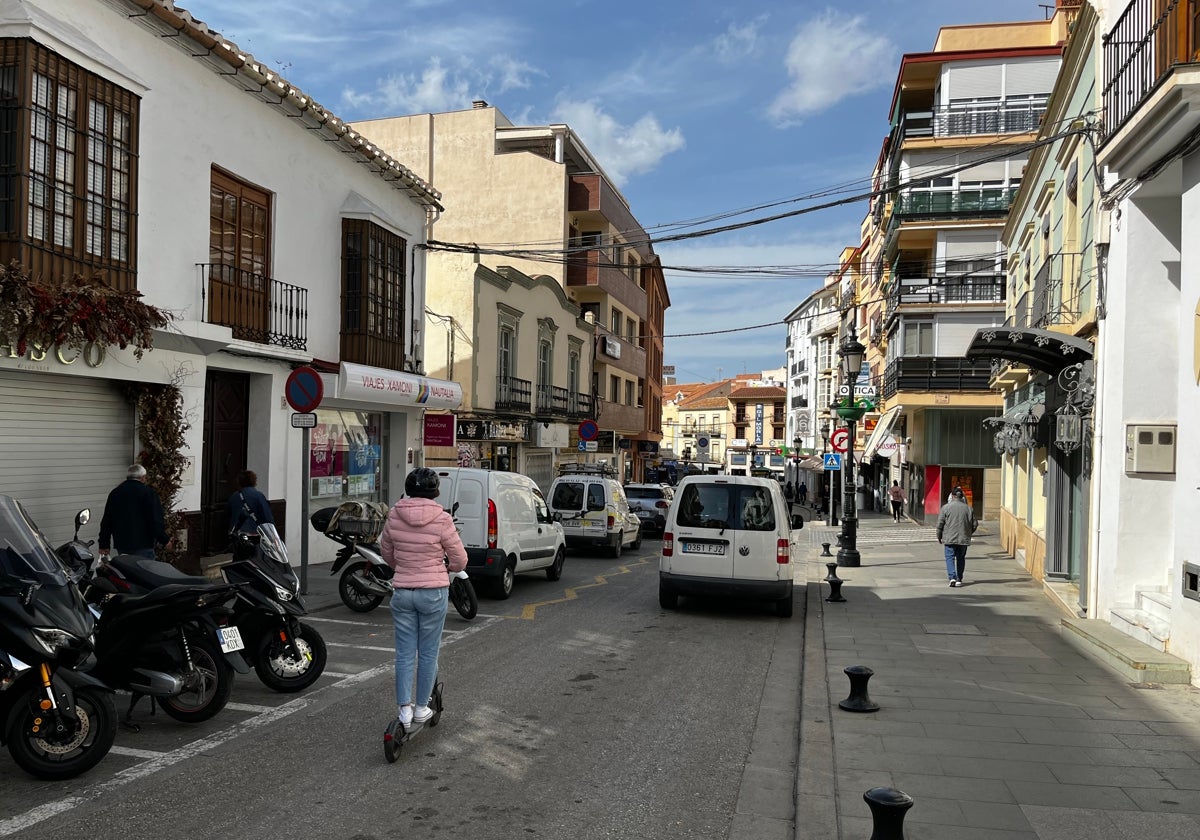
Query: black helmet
x,y
422,483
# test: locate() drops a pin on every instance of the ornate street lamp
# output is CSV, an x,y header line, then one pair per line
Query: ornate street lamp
x,y
851,352
825,431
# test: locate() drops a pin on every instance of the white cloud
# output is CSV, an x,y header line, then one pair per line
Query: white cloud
x,y
833,57
623,150
737,41
435,89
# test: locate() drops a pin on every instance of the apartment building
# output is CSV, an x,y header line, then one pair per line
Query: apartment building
x,y
812,332
759,419
962,118
704,428
534,199
146,149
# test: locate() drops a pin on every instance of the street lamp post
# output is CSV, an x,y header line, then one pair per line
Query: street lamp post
x,y
825,450
852,352
796,460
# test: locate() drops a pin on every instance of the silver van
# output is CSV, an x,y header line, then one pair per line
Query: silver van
x,y
729,535
593,509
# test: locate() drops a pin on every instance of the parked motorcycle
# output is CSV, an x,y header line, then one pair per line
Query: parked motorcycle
x,y
56,721
176,642
366,579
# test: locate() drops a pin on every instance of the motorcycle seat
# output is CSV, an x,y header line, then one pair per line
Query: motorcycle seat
x,y
152,573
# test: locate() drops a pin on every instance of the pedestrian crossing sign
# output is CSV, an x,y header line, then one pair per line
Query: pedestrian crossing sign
x,y
833,461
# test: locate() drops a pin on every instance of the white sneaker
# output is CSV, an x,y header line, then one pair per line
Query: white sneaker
x,y
421,714
406,715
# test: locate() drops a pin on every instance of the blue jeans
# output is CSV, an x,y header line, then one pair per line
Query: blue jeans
x,y
956,561
418,615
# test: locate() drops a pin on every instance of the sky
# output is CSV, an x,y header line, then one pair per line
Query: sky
x,y
699,112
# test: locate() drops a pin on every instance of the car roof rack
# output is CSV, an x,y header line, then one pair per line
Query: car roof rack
x,y
574,468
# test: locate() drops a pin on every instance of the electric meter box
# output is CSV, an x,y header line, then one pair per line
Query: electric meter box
x,y
1149,448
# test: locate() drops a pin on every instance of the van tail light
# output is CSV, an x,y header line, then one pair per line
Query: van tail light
x,y
661,504
781,552
668,544
491,534
612,521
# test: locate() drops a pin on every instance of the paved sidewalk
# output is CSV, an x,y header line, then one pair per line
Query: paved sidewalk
x,y
994,725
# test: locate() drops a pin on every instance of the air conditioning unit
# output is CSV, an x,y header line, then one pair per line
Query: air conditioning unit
x,y
1149,448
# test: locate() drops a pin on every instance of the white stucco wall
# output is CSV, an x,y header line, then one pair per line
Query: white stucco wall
x,y
1137,357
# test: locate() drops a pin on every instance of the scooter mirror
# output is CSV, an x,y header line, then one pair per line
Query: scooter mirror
x,y
82,518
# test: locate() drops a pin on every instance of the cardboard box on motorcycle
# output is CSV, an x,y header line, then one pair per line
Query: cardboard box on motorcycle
x,y
505,523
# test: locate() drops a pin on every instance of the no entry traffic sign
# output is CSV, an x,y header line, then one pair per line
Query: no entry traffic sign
x,y
839,440
304,389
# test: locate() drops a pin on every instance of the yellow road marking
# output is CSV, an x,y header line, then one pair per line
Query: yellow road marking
x,y
529,611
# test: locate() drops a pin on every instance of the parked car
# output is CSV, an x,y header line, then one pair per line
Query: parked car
x,y
593,508
650,502
505,524
729,536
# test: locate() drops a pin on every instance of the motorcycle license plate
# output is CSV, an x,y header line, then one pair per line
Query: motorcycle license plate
x,y
230,639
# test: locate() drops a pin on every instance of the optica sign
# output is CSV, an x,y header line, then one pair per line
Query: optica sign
x,y
360,382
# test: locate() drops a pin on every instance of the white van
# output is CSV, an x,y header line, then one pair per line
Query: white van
x,y
729,535
505,525
593,508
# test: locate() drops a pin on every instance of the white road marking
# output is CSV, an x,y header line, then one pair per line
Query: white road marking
x,y
249,707
160,761
359,647
336,621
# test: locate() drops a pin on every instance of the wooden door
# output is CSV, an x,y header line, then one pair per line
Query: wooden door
x,y
226,414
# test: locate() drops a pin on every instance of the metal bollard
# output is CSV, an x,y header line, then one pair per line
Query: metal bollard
x,y
888,807
859,700
832,567
826,553
835,590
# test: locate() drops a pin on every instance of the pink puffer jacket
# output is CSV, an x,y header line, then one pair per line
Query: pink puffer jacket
x,y
416,536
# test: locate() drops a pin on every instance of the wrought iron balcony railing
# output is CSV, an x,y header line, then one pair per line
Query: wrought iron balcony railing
x,y
514,394
1147,41
935,373
950,288
975,118
254,306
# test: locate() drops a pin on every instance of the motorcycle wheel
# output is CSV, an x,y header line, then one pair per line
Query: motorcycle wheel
x,y
208,688
351,597
77,752
277,669
462,595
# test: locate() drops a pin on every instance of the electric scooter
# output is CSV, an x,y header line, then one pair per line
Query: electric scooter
x,y
397,734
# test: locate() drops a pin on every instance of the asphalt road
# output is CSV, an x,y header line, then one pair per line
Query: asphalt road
x,y
574,709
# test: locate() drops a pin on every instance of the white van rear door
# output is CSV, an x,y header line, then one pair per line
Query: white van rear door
x,y
471,517
756,541
703,537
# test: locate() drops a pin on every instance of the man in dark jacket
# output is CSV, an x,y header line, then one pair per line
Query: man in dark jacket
x,y
248,507
956,523
133,517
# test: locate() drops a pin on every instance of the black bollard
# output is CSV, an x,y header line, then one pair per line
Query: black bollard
x,y
835,590
832,567
859,700
888,807
826,553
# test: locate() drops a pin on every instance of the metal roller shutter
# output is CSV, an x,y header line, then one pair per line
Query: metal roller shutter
x,y
65,442
540,467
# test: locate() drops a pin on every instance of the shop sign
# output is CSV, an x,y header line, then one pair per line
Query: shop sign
x,y
439,430
359,382
91,354
648,447
514,430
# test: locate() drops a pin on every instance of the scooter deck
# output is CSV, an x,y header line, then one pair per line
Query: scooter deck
x,y
397,735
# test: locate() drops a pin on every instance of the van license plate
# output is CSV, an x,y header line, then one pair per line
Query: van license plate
x,y
703,548
230,639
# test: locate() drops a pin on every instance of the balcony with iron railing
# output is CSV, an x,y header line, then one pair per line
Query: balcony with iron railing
x,y
562,403
935,373
799,402
1061,293
257,308
959,120
513,394
946,289
1147,44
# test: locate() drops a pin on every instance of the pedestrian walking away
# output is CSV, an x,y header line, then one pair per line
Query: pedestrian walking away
x,y
248,507
802,493
956,523
133,517
419,541
788,492
896,495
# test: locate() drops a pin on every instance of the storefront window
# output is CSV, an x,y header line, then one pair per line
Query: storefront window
x,y
346,457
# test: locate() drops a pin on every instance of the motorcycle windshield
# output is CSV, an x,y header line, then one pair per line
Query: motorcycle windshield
x,y
24,553
271,544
